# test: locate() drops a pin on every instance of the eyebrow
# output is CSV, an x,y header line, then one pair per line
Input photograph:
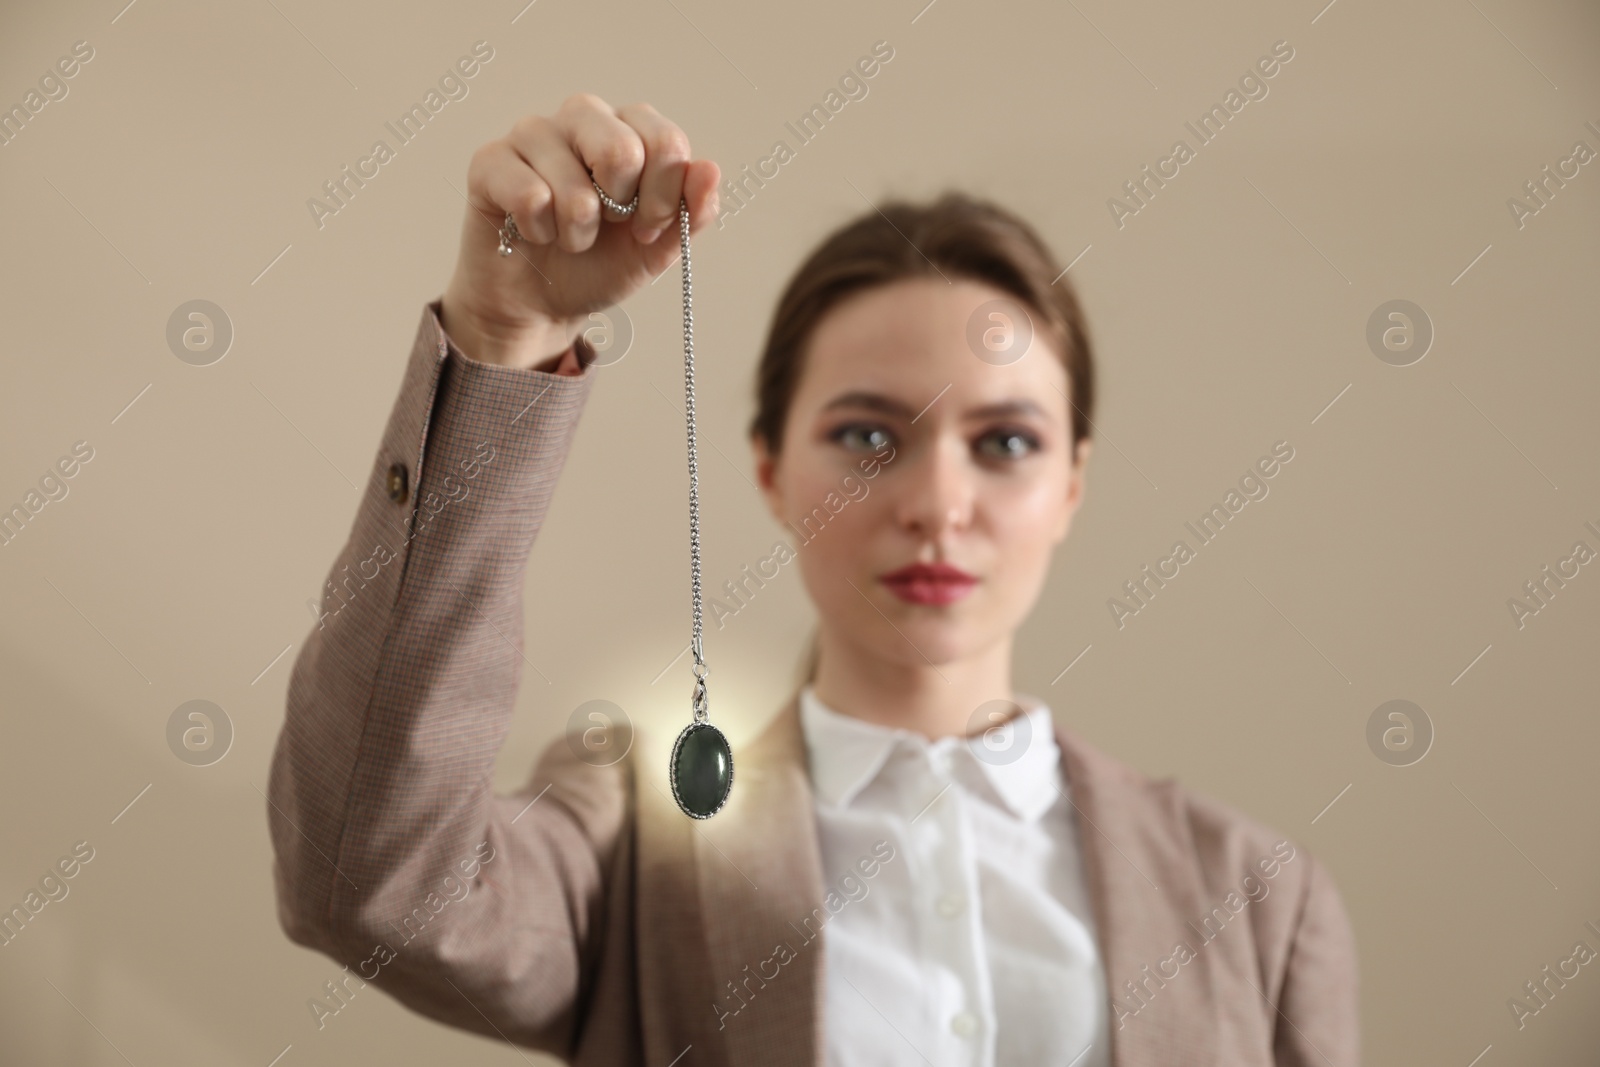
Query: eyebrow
x,y
890,406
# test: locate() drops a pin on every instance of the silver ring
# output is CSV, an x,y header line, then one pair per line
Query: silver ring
x,y
508,233
621,209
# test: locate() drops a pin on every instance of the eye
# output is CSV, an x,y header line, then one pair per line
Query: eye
x,y
1008,444
867,436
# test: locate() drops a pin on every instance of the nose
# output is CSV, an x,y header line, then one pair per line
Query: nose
x,y
938,490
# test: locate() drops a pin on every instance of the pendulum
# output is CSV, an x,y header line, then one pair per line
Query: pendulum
x,y
701,766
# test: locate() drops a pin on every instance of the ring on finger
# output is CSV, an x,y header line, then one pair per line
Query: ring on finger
x,y
508,233
621,209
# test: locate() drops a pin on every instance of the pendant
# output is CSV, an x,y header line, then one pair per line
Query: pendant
x,y
701,770
701,766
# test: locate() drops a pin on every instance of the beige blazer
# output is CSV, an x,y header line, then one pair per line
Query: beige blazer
x,y
584,915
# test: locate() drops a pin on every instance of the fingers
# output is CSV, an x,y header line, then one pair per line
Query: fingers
x,y
502,178
544,147
700,191
666,152
540,173
605,145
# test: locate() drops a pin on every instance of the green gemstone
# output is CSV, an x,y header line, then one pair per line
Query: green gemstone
x,y
702,770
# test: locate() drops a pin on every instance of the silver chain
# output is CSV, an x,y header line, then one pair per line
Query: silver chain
x,y
701,701
508,233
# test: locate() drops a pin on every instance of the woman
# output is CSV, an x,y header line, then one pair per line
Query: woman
x,y
916,864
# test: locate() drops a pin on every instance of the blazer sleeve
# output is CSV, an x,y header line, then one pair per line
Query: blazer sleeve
x,y
393,854
1319,1024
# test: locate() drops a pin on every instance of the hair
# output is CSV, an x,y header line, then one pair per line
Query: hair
x,y
954,235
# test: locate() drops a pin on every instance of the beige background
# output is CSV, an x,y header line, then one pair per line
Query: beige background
x,y
1227,317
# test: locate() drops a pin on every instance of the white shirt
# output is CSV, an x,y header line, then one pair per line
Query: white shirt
x,y
973,944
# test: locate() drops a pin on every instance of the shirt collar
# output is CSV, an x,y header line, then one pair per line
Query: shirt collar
x,y
847,753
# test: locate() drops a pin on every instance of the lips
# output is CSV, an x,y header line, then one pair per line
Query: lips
x,y
929,583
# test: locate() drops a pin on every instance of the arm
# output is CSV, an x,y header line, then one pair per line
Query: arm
x,y
1320,1012
393,854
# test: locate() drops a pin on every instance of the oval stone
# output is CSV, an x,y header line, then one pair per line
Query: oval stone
x,y
702,770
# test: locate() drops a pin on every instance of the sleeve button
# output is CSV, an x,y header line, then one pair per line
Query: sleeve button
x,y
399,484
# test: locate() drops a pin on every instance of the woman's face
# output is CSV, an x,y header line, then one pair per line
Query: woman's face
x,y
902,446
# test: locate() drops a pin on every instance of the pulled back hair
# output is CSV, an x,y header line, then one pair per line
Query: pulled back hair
x,y
954,235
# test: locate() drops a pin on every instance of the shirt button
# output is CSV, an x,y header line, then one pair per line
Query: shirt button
x,y
950,905
964,1024
399,483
